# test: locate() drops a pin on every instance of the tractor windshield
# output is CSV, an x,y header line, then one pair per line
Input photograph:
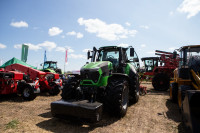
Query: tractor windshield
x,y
111,55
53,65
189,54
50,65
46,65
149,65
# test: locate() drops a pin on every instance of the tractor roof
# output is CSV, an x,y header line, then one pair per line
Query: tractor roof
x,y
189,46
110,47
50,62
149,58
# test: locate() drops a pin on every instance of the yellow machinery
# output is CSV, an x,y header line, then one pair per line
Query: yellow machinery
x,y
185,87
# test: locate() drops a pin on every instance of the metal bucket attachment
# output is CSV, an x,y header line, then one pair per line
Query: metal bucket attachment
x,y
80,109
191,110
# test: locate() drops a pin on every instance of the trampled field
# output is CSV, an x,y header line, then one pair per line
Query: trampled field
x,y
154,113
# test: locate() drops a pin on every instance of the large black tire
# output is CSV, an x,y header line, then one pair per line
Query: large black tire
x,y
174,95
117,97
69,91
28,93
134,90
161,82
54,89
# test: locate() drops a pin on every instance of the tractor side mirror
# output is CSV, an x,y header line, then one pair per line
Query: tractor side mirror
x,y
88,55
174,54
132,52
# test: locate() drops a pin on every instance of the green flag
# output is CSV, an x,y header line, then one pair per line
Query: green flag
x,y
24,52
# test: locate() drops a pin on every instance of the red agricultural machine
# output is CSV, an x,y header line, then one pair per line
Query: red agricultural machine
x,y
17,78
161,68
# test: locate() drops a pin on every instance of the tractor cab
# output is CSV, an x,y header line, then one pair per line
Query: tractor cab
x,y
50,64
118,56
150,63
189,59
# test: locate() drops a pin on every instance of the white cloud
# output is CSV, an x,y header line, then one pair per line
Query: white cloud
x,y
60,49
55,31
143,45
86,50
77,34
128,24
110,32
77,56
144,26
2,46
123,45
191,7
48,45
71,33
19,24
70,50
31,46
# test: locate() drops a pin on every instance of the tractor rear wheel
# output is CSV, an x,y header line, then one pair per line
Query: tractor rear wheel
x,y
161,82
28,93
117,97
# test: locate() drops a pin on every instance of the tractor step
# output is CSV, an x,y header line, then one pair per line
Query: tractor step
x,y
80,109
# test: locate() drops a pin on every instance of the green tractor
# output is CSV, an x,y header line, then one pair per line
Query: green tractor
x,y
51,66
110,81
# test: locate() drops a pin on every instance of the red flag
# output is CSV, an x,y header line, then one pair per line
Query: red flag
x,y
66,57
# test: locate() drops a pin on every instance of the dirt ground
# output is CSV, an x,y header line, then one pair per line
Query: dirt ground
x,y
154,113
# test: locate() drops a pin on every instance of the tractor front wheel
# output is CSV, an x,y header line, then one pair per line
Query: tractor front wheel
x,y
161,82
28,93
117,97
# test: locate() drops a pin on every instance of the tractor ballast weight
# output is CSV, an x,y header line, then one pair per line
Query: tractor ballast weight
x,y
46,81
161,68
110,81
185,86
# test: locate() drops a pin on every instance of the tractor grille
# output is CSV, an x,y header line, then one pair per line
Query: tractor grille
x,y
90,75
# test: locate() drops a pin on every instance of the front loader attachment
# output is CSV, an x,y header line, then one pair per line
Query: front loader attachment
x,y
81,109
191,110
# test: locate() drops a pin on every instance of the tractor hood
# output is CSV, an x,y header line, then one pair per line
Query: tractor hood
x,y
95,73
97,65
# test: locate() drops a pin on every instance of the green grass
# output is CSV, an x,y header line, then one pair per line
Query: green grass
x,y
12,124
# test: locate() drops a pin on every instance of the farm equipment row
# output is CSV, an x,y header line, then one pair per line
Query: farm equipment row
x,y
160,68
20,79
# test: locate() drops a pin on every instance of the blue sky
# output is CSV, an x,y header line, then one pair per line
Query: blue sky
x,y
78,25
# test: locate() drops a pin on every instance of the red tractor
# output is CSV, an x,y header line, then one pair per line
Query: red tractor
x,y
160,68
17,78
